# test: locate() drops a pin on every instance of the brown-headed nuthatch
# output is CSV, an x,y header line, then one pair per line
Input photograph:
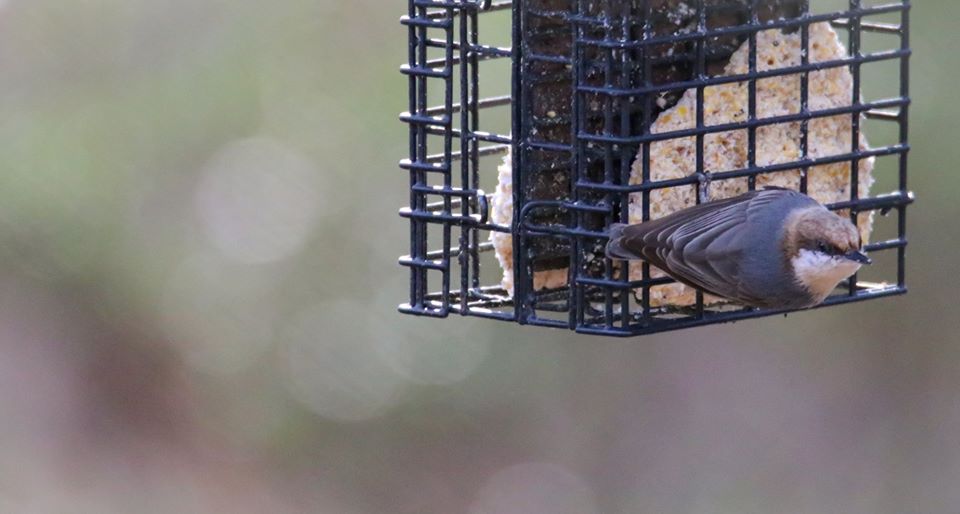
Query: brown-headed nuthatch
x,y
773,248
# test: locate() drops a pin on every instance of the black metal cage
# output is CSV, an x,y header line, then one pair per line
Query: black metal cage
x,y
573,92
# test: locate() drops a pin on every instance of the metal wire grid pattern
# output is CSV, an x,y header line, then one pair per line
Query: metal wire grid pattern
x,y
449,28
619,32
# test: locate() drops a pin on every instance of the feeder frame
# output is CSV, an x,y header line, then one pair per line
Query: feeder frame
x,y
607,50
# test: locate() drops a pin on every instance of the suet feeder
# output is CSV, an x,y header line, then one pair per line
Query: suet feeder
x,y
628,110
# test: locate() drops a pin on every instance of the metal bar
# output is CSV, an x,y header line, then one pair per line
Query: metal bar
x,y
725,175
419,176
474,103
485,103
726,127
855,124
494,6
474,136
786,23
884,28
752,97
904,130
805,96
882,202
666,325
887,55
703,178
645,171
466,59
577,124
520,101
456,156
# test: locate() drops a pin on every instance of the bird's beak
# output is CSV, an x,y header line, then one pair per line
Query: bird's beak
x,y
858,256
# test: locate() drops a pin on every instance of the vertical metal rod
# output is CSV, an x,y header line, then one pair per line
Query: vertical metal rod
x,y
447,157
646,59
520,101
627,153
804,94
474,105
413,128
616,18
578,123
855,33
466,141
419,201
702,185
752,96
904,126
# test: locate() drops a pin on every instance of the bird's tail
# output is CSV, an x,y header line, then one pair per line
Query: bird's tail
x,y
615,248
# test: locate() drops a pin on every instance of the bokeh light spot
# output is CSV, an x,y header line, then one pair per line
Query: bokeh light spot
x,y
258,200
435,360
333,366
217,313
534,488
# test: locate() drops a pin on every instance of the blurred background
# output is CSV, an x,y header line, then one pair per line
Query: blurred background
x,y
198,291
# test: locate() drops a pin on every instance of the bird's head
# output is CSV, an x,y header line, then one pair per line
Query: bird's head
x,y
823,249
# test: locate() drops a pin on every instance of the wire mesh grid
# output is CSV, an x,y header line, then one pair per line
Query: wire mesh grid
x,y
588,80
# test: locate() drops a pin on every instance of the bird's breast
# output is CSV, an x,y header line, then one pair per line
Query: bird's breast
x,y
819,273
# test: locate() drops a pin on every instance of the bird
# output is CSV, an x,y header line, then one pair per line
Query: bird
x,y
772,248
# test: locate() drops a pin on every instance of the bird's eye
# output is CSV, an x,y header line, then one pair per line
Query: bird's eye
x,y
823,247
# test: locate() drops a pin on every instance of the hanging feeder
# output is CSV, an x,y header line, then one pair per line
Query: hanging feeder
x,y
626,111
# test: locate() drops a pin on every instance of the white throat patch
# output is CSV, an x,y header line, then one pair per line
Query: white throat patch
x,y
820,273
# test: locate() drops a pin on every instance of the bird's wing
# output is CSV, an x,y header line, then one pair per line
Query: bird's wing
x,y
702,246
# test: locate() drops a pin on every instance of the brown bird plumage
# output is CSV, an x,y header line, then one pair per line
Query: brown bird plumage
x,y
773,248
